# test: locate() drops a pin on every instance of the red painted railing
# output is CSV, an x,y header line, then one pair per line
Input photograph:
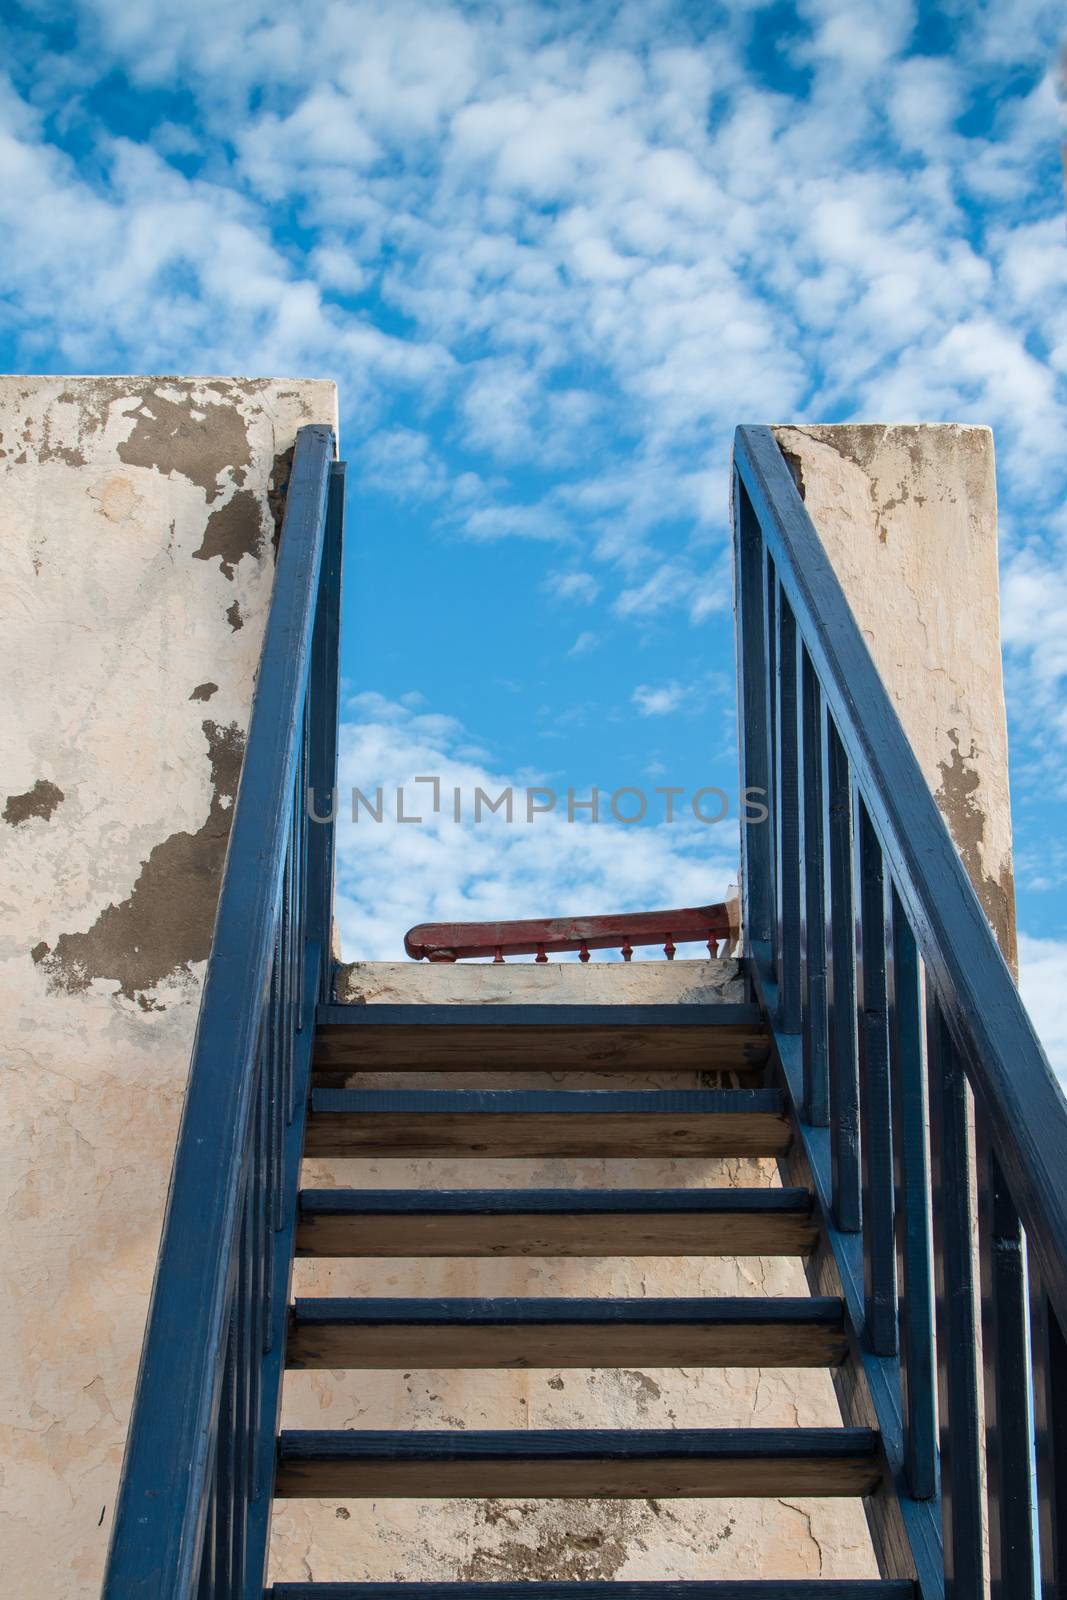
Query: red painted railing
x,y
456,941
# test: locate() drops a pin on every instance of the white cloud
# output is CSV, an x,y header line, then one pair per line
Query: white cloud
x,y
658,702
579,586
499,405
512,521
603,240
181,271
666,586
1032,267
324,133
392,875
1043,983
1034,630
403,462
336,268
677,583
856,38
584,643
924,101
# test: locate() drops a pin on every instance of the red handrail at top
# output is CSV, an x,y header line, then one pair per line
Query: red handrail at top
x,y
455,941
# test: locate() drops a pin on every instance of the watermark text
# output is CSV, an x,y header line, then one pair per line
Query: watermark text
x,y
627,805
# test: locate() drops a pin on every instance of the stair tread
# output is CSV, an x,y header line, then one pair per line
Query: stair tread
x,y
572,1444
682,1589
555,1222
551,1202
722,1463
561,1018
743,1309
388,1037
553,1102
536,1122
464,1334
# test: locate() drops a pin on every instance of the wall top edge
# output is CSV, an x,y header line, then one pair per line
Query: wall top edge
x,y
887,427
156,377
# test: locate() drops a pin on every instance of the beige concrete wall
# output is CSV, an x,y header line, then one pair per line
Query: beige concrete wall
x,y
487,1540
137,522
908,516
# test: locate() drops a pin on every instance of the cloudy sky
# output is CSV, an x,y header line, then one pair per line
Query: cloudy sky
x,y
553,254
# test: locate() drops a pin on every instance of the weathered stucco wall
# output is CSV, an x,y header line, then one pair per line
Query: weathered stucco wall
x,y
908,516
539,1540
137,521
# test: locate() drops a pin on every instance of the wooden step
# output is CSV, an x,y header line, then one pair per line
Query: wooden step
x,y
555,1222
433,1334
431,1122
552,1038
715,1589
577,1463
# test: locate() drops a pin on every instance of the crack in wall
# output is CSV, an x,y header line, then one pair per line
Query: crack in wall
x,y
277,490
796,468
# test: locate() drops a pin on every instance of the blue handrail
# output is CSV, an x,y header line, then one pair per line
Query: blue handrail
x,y
916,1077
193,1510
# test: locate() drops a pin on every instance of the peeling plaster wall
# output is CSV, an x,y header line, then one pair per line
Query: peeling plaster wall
x,y
138,520
908,516
539,1540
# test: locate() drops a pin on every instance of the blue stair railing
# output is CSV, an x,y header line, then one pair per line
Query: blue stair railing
x,y
930,1126
193,1511
920,1089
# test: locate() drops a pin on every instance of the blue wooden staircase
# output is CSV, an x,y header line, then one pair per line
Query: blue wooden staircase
x,y
883,1059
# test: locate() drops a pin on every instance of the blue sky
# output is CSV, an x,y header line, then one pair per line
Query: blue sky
x,y
552,254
